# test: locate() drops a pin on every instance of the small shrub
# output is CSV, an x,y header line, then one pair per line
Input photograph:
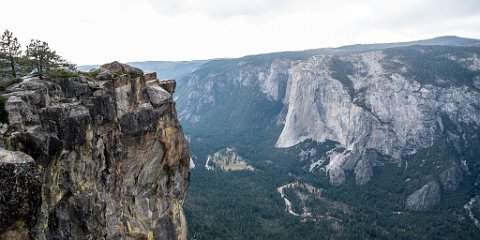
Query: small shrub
x,y
5,85
63,73
91,75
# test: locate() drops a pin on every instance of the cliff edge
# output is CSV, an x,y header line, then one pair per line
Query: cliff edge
x,y
104,159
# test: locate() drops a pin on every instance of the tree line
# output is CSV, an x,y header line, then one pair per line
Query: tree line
x,y
38,57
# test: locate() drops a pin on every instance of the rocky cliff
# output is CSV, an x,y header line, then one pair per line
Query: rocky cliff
x,y
104,159
372,106
379,106
375,100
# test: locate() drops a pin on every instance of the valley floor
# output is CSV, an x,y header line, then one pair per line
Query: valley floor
x,y
282,199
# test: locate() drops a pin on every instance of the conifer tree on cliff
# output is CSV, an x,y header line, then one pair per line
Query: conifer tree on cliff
x,y
10,50
45,59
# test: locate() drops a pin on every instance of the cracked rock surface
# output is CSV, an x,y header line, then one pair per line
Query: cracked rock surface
x,y
94,160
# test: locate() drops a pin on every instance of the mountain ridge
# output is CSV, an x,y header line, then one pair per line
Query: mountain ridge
x,y
391,120
164,68
391,124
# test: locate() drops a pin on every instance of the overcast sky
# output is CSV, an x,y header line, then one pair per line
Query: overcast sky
x,y
99,31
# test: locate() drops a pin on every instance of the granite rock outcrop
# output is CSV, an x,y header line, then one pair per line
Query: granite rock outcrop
x,y
104,159
424,198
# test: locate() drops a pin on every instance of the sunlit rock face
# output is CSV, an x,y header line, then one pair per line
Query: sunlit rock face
x,y
372,107
109,156
424,198
387,112
389,102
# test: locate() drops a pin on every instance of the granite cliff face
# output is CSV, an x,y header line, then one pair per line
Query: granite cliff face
x,y
379,106
361,101
94,160
373,107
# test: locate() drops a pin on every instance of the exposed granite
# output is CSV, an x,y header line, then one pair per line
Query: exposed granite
x,y
110,160
424,198
19,194
451,178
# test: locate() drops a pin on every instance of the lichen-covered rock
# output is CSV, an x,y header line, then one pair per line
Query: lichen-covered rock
x,y
113,162
19,194
451,178
424,198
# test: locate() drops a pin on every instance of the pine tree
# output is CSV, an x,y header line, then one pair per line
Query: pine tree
x,y
45,59
37,52
3,65
10,51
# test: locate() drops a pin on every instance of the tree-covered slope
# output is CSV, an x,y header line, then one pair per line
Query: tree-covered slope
x,y
385,133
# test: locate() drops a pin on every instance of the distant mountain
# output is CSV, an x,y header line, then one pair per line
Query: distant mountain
x,y
178,69
86,68
356,48
164,69
169,69
388,133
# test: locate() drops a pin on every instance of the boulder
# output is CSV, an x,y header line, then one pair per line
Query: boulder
x,y
157,94
424,198
117,68
168,85
150,76
104,75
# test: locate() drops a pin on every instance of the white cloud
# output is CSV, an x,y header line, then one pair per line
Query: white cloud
x,y
219,9
98,31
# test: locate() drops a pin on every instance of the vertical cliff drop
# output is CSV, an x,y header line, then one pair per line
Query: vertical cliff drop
x,y
109,155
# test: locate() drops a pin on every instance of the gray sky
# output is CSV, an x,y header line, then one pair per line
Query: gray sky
x,y
99,31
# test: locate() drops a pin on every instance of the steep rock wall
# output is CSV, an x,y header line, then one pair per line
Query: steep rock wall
x,y
110,155
387,103
369,107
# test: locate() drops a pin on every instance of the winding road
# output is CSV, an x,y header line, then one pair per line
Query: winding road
x,y
288,204
468,207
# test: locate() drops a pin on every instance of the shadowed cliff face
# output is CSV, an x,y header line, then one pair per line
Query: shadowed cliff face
x,y
110,156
